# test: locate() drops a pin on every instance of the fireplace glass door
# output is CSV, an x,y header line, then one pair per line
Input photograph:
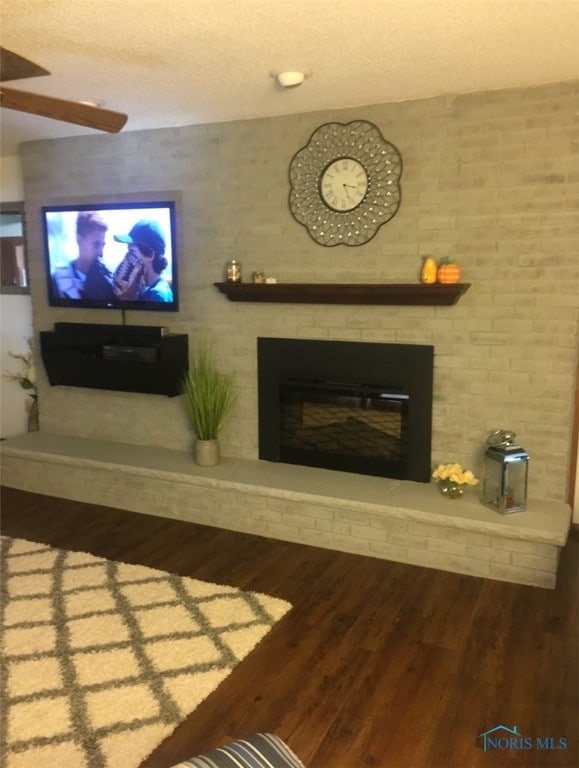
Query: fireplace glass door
x,y
345,426
360,407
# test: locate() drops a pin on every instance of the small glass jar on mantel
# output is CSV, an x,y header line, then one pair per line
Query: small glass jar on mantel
x,y
506,473
233,271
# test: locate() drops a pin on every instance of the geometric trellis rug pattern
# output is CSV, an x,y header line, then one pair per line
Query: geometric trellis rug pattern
x,y
102,660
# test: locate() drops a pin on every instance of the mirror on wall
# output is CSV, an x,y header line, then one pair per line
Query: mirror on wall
x,y
13,273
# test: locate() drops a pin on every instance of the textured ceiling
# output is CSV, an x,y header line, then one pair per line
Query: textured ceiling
x,y
182,62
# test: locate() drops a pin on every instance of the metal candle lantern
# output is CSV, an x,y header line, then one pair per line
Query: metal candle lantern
x,y
507,468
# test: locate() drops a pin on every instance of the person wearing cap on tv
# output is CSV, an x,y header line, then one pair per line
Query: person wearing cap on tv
x,y
139,278
87,270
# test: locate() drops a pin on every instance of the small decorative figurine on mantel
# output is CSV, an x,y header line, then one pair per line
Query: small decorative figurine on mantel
x,y
428,271
448,271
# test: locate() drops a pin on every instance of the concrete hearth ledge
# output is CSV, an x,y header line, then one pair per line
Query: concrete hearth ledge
x,y
544,521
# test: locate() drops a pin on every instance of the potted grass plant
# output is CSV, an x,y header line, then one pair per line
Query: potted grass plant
x,y
209,399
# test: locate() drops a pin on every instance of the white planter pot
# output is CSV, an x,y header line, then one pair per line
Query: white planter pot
x,y
206,453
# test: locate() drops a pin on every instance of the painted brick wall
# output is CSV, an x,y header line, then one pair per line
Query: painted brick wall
x,y
489,178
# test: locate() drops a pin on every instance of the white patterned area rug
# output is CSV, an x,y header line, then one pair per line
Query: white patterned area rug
x,y
102,660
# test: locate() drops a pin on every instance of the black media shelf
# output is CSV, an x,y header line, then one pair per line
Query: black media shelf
x,y
122,358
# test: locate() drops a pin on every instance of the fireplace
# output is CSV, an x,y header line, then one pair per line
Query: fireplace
x,y
355,407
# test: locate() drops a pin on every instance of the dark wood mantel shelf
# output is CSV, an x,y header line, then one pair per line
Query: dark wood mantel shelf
x,y
345,293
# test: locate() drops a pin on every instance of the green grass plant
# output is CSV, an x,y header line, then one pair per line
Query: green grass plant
x,y
209,395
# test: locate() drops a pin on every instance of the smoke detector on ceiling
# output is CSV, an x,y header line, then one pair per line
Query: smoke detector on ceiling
x,y
290,79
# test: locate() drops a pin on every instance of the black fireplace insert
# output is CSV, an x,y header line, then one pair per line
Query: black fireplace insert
x,y
355,407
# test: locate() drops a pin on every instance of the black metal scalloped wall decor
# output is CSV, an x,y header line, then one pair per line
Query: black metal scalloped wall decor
x,y
345,183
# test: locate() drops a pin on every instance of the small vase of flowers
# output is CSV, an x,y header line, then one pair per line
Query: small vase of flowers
x,y
27,380
452,478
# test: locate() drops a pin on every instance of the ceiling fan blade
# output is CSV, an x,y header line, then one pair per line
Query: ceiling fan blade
x,y
15,67
61,109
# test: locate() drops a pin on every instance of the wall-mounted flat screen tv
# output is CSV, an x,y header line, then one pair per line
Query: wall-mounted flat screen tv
x,y
113,256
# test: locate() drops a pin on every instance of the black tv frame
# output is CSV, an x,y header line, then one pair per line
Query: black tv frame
x,y
116,202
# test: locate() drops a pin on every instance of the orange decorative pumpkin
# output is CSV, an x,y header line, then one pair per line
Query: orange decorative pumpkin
x,y
448,272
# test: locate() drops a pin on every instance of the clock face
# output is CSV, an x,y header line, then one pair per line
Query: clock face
x,y
343,184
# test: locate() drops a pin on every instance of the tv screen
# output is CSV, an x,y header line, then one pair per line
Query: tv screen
x,y
117,255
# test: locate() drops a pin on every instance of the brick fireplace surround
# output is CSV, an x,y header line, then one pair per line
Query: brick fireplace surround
x,y
390,519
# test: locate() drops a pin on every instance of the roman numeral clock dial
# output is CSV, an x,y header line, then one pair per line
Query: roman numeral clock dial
x,y
345,183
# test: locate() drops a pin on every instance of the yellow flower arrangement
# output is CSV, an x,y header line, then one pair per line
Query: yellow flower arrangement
x,y
455,473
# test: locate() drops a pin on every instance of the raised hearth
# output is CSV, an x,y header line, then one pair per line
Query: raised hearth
x,y
373,516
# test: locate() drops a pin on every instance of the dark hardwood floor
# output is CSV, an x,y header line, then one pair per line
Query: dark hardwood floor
x,y
378,665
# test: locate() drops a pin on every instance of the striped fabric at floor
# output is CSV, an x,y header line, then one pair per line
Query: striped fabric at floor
x,y
263,750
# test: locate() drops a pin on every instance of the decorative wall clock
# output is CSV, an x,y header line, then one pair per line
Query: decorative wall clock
x,y
345,183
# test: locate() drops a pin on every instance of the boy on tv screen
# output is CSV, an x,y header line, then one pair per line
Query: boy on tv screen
x,y
138,276
70,280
